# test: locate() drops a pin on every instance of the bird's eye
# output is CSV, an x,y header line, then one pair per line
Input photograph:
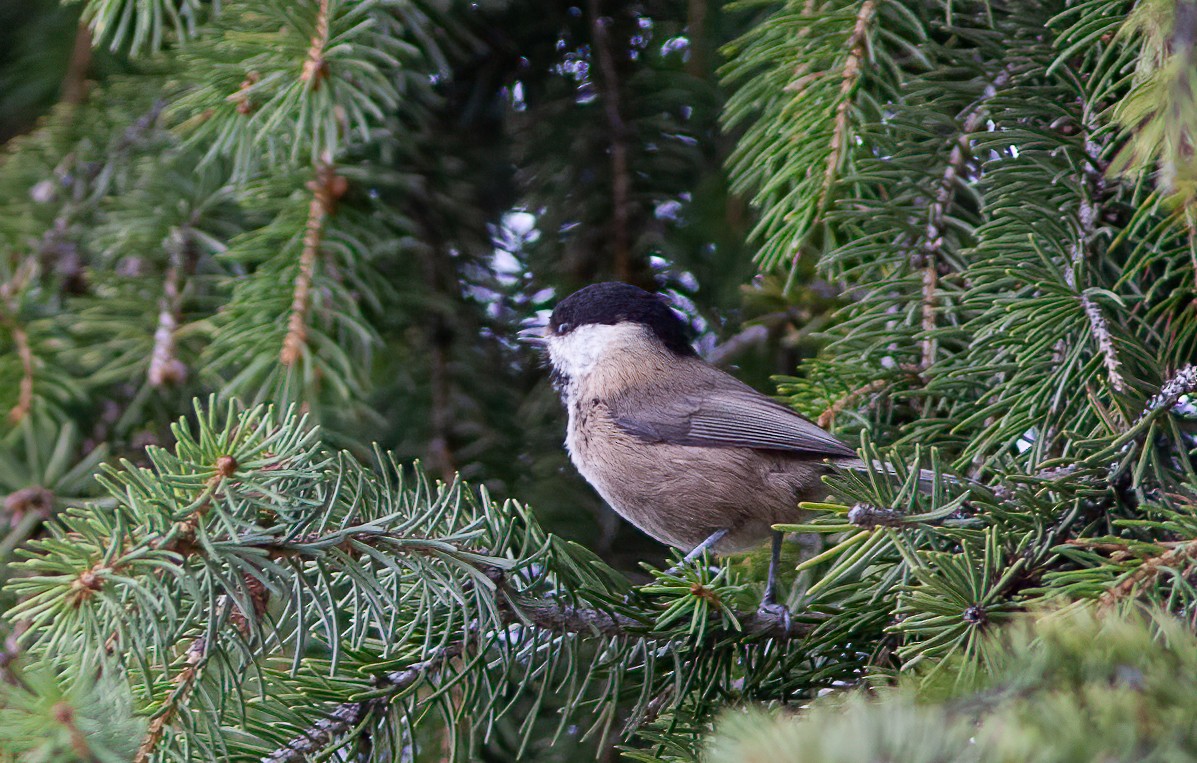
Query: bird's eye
x,y
563,328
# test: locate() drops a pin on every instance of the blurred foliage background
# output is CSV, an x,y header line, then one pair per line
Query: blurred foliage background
x,y
960,235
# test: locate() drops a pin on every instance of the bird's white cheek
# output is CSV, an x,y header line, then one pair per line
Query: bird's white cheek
x,y
577,353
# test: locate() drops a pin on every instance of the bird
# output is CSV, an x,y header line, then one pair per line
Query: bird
x,y
686,452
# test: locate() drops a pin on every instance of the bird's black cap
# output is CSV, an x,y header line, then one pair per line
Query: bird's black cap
x,y
614,302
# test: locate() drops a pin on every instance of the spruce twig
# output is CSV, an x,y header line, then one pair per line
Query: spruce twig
x,y
1093,183
325,188
183,683
165,366
1182,556
857,44
932,242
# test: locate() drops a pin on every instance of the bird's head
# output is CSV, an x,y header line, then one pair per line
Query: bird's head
x,y
603,320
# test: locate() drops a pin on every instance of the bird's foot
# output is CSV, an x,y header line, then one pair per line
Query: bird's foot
x,y
775,612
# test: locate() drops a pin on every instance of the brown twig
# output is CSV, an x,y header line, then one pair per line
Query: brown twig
x,y
927,256
1183,554
827,417
20,339
25,390
326,188
165,366
315,66
857,43
183,684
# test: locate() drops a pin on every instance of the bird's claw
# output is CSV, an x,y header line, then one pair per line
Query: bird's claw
x,y
772,610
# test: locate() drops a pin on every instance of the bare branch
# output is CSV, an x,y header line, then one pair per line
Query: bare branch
x,y
165,366
750,336
621,178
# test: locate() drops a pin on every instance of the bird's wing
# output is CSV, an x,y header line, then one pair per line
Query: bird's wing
x,y
720,411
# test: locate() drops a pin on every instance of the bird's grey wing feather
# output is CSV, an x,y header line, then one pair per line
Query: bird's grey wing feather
x,y
722,412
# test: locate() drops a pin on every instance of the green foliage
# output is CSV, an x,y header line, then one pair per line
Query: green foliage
x,y
66,716
1069,686
348,208
251,583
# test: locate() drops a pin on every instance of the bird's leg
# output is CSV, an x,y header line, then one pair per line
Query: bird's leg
x,y
769,602
714,538
770,597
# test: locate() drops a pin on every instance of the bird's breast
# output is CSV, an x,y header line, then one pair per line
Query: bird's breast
x,y
681,494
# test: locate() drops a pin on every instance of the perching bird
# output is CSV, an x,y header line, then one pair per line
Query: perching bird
x,y
687,453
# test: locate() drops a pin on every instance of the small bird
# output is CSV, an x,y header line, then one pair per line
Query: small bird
x,y
687,453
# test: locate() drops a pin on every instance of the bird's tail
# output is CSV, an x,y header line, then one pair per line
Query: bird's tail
x,y
927,479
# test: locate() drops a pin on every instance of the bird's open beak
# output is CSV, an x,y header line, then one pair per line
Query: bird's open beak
x,y
533,335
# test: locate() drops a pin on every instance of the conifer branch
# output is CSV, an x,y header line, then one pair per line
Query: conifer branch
x,y
183,683
1183,555
165,366
1183,382
857,43
515,608
345,716
315,66
326,187
1100,330
932,242
1093,183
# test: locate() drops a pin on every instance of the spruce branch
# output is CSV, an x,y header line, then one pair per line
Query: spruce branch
x,y
1180,557
315,66
325,188
1093,184
927,256
165,366
347,715
182,685
516,609
555,615
1181,383
857,48
1100,331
